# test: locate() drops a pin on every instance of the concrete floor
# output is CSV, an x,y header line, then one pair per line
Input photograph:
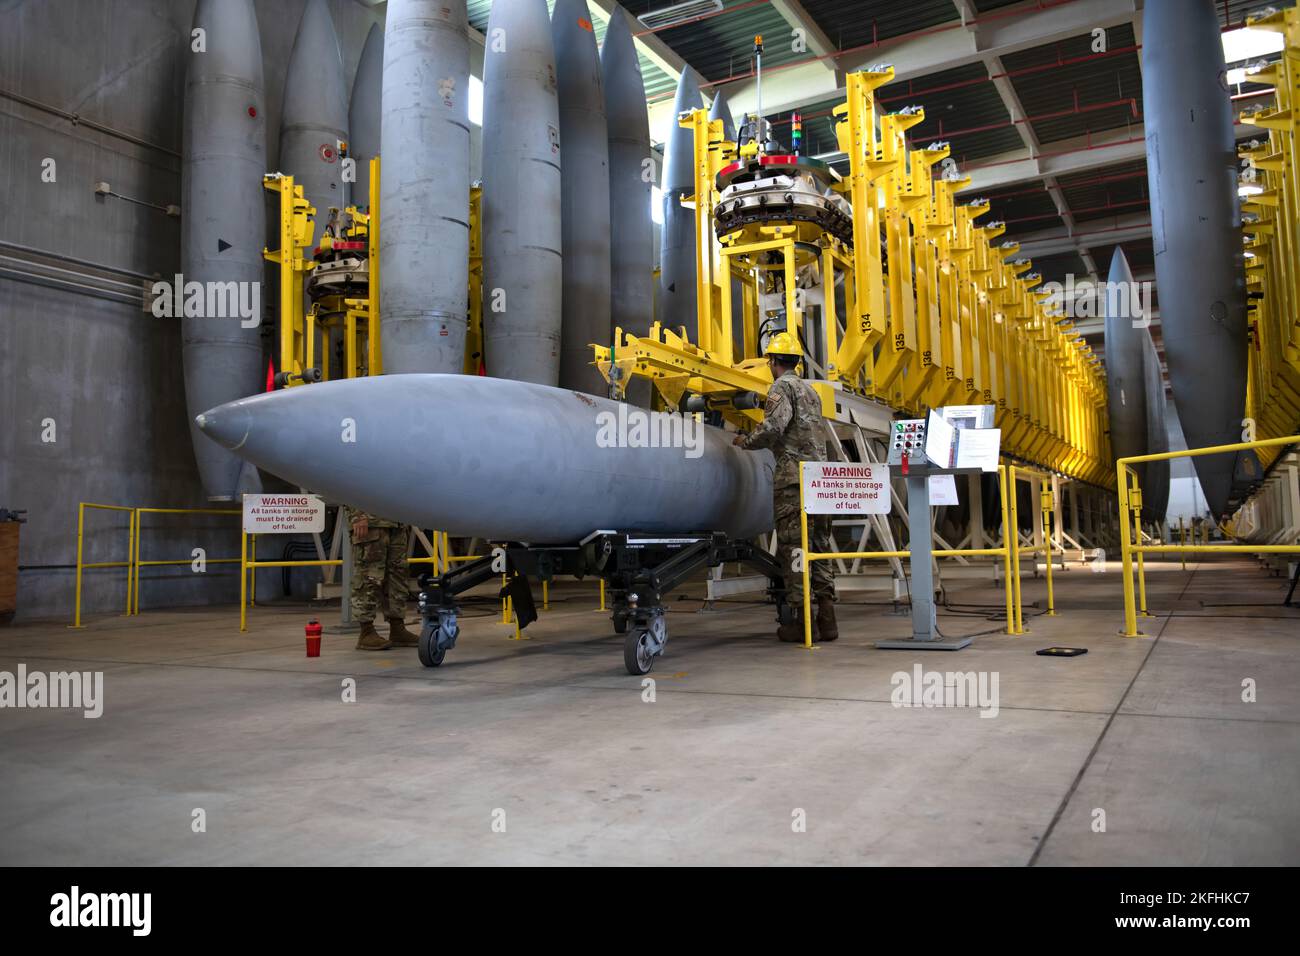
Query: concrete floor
x,y
552,734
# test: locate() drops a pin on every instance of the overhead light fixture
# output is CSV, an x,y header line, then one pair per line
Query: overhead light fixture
x,y
679,13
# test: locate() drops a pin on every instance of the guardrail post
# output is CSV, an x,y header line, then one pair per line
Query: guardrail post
x,y
1014,545
1047,504
1006,550
133,565
243,580
81,528
805,566
1135,502
1130,609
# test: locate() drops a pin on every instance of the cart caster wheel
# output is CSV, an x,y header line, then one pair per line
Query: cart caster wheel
x,y
637,654
431,637
620,623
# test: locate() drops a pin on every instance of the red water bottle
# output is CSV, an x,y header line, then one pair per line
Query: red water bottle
x,y
313,638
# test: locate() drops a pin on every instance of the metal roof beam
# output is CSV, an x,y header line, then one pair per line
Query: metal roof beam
x,y
1011,100
1079,155
793,12
920,54
1096,325
1052,242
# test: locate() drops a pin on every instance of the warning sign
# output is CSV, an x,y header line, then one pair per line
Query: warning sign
x,y
283,514
845,488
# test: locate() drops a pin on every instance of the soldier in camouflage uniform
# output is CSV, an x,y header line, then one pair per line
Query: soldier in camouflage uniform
x,y
379,553
792,428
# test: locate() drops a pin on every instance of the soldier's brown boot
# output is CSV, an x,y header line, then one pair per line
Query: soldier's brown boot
x,y
399,635
372,640
827,629
792,633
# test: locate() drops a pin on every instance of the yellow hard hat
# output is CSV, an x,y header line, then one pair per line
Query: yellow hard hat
x,y
783,343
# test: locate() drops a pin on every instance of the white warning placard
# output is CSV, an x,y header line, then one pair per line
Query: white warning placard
x,y
845,488
283,514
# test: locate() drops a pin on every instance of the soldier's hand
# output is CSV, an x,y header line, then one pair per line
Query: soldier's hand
x,y
739,440
360,527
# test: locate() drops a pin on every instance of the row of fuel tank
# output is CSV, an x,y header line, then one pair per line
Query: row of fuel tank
x,y
567,234
568,174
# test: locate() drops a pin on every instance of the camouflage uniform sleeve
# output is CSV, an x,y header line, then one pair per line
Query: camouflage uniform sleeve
x,y
776,418
373,520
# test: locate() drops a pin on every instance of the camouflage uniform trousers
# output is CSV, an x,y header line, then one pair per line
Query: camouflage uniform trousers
x,y
789,541
379,572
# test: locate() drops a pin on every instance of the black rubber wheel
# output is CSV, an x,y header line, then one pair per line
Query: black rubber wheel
x,y
430,654
636,653
620,623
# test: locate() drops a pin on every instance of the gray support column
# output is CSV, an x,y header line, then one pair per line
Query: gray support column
x,y
975,487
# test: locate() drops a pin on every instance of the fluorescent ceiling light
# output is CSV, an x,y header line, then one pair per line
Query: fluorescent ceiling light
x,y
679,13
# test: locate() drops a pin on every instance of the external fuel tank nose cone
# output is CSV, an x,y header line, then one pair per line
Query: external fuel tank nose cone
x,y
226,424
721,110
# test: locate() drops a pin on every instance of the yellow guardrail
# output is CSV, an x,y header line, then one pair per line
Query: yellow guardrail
x,y
133,603
1130,498
1047,505
83,565
247,563
440,557
1009,552
441,560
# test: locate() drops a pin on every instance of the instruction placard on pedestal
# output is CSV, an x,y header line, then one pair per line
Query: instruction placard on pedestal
x,y
845,488
943,491
283,514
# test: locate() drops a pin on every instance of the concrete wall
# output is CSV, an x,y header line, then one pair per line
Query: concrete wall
x,y
106,372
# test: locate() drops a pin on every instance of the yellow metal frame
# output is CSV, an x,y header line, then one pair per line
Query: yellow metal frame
x,y
1130,505
82,565
1271,223
134,603
1047,505
375,342
474,330
247,563
1008,551
441,559
300,327
296,219
943,316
